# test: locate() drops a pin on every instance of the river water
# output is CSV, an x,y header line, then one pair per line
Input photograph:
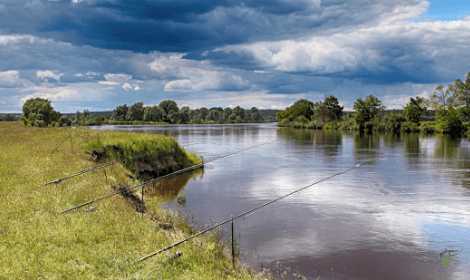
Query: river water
x,y
397,217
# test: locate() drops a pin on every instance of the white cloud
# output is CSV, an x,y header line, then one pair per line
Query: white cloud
x,y
52,74
10,79
128,86
108,83
398,44
117,77
400,101
187,74
185,84
53,94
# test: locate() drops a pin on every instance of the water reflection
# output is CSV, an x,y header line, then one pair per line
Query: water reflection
x,y
169,188
387,220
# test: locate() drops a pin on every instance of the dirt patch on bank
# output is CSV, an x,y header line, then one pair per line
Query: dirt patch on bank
x,y
131,199
152,165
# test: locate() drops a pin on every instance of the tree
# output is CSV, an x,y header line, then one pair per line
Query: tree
x,y
154,114
203,113
194,116
366,110
464,94
215,114
168,106
393,121
448,121
135,112
119,114
329,110
38,109
8,118
64,121
445,99
184,114
414,109
239,111
301,107
255,115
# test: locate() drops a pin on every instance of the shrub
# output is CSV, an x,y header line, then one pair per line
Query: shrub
x,y
393,121
427,127
284,123
409,127
448,121
348,124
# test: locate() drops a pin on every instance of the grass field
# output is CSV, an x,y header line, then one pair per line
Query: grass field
x,y
38,243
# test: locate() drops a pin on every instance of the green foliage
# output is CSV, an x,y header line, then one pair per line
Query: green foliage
x,y
366,111
414,109
120,113
171,111
135,112
64,121
464,94
328,110
409,127
39,112
427,127
284,123
8,118
301,107
448,121
154,114
442,99
347,124
393,121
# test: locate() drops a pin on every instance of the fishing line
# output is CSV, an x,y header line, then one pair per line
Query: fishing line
x,y
252,210
162,177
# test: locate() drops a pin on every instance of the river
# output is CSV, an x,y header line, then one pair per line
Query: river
x,y
397,217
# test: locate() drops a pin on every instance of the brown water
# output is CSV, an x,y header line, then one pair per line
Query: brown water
x,y
390,219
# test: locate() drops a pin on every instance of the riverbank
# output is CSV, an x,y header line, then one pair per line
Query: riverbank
x,y
104,242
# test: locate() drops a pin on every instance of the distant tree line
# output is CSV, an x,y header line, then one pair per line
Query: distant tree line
x,y
168,111
39,112
9,118
450,105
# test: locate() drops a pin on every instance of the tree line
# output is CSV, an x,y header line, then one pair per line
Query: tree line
x,y
168,111
451,105
39,112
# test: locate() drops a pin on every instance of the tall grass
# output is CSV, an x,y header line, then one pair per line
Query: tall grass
x,y
38,243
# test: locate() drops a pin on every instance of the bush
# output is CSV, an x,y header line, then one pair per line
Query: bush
x,y
332,125
347,124
448,121
409,127
393,121
284,123
427,127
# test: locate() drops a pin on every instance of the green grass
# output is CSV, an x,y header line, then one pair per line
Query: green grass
x,y
38,243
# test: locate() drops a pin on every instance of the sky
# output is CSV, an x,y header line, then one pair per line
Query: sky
x,y
100,54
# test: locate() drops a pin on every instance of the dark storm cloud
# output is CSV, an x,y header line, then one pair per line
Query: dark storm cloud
x,y
185,26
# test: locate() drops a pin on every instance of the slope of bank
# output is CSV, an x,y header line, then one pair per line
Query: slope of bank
x,y
105,241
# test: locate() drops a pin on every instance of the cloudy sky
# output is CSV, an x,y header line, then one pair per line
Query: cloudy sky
x,y
99,54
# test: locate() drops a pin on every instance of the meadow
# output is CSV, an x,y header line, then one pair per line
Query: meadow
x,y
103,243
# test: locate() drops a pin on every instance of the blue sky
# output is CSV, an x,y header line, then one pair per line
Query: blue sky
x,y
99,54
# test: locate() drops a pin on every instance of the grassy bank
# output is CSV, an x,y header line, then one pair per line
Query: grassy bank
x,y
38,243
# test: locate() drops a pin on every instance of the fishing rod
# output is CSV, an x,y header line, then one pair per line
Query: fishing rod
x,y
253,209
102,166
162,177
